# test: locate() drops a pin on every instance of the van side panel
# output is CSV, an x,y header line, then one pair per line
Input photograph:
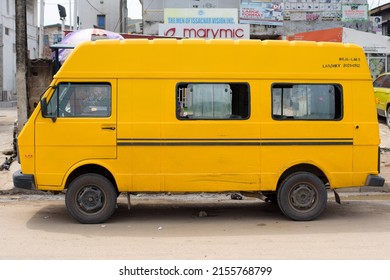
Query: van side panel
x,y
159,152
366,137
210,155
139,132
325,144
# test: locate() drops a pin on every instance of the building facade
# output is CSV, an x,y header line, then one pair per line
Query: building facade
x,y
110,15
382,16
52,34
7,44
270,19
380,61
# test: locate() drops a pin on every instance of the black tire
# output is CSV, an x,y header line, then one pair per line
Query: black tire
x,y
302,196
388,116
91,199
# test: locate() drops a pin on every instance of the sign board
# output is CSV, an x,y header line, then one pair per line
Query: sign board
x,y
354,12
205,31
264,13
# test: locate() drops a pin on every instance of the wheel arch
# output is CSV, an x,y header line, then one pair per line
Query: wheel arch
x,y
91,168
303,167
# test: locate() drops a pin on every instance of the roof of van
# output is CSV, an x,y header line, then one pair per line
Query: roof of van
x,y
233,59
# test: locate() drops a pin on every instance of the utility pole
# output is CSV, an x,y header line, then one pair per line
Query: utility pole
x,y
21,61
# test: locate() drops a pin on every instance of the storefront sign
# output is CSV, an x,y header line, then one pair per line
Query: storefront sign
x,y
354,12
205,31
264,13
200,16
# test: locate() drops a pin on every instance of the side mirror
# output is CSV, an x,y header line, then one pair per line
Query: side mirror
x,y
44,110
44,107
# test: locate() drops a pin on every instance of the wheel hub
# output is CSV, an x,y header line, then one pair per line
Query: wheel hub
x,y
303,196
90,199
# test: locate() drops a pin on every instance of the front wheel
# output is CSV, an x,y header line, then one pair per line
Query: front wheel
x,y
302,196
91,199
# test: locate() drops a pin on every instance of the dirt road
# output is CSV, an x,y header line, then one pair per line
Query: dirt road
x,y
208,227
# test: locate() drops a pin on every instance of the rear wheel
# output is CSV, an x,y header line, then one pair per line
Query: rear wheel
x,y
91,199
388,116
302,196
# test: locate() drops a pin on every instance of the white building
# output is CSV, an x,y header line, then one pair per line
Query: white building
x,y
110,15
7,45
269,19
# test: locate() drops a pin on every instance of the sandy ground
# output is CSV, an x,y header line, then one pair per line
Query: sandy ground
x,y
174,229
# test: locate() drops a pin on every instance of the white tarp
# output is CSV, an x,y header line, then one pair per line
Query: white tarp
x,y
371,43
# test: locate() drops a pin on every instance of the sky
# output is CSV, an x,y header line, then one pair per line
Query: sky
x,y
52,16
134,8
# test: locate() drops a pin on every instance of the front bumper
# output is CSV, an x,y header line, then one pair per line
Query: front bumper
x,y
375,181
23,181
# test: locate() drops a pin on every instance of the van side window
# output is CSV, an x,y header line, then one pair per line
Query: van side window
x,y
80,100
307,101
209,101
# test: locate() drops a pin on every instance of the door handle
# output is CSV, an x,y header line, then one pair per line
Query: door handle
x,y
108,127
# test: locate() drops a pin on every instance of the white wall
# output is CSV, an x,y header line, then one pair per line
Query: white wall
x,y
8,52
32,28
8,49
88,11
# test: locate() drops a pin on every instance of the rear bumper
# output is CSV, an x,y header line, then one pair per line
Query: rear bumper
x,y
23,181
375,181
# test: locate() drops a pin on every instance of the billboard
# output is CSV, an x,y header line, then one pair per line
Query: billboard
x,y
354,12
203,23
263,13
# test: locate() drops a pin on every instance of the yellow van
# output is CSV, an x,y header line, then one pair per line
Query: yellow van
x,y
285,119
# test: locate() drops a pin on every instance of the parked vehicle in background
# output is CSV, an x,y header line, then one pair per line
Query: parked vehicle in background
x,y
203,116
382,96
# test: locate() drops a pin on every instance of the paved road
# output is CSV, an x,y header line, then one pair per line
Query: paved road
x,y
171,228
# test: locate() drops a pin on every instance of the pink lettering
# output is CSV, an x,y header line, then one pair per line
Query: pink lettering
x,y
251,13
213,33
189,33
202,33
241,31
170,32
